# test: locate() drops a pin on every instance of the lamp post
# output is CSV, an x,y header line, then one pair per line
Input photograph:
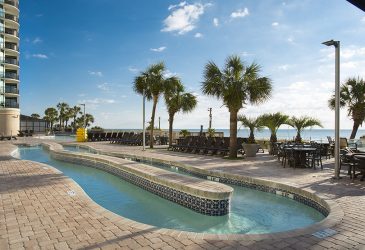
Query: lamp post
x,y
336,44
83,104
144,122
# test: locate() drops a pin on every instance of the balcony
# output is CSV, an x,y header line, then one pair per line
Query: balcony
x,y
10,61
9,17
12,90
13,105
9,75
11,2
12,32
12,46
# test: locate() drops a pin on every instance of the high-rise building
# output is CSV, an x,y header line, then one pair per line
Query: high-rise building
x,y
9,67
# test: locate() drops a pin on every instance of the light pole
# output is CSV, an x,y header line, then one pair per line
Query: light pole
x,y
83,104
336,44
210,117
144,122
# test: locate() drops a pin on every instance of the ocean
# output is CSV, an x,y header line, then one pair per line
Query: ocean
x,y
289,134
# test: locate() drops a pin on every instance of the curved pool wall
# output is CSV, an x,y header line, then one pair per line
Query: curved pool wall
x,y
297,194
204,197
253,212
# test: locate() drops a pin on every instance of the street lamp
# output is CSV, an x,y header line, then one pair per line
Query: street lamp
x,y
336,44
83,104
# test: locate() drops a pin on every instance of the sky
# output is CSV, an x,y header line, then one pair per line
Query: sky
x,y
89,51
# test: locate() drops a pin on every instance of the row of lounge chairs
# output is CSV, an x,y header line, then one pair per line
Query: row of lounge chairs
x,y
206,145
125,138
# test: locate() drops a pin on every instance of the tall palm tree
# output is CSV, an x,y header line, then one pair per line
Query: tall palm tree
x,y
74,111
251,123
273,122
236,85
176,100
62,106
301,123
68,115
151,83
89,119
352,95
51,116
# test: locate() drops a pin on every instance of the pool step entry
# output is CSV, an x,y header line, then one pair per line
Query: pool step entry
x,y
205,197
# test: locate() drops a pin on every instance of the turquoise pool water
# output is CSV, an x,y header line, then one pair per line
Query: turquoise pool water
x,y
251,211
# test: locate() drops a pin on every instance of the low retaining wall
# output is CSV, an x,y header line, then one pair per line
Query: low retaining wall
x,y
204,197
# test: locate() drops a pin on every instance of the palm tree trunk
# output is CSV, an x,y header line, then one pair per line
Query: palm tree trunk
x,y
171,123
355,127
155,99
298,138
233,133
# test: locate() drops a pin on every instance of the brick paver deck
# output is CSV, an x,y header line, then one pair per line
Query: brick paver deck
x,y
37,212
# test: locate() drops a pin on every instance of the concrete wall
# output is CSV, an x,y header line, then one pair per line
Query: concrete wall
x,y
9,122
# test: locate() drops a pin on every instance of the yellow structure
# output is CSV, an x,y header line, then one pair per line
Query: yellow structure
x,y
81,135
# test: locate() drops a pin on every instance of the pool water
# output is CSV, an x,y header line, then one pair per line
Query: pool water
x,y
252,211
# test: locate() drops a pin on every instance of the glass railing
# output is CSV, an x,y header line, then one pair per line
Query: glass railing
x,y
9,75
11,90
11,105
10,61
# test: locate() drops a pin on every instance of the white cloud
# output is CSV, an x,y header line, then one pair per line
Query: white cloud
x,y
168,73
363,19
284,67
240,13
104,86
182,4
160,49
198,35
290,39
246,54
183,18
40,56
98,101
37,40
216,22
275,24
96,73
133,69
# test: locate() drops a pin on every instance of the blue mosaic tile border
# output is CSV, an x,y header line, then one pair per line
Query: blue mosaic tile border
x,y
299,198
200,205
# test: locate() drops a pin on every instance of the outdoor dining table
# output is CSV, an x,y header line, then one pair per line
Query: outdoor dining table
x,y
360,164
300,155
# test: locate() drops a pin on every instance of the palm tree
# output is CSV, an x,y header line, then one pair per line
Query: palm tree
x,y
88,120
237,85
352,95
62,106
252,124
74,111
36,116
151,83
273,123
301,123
176,100
68,115
51,116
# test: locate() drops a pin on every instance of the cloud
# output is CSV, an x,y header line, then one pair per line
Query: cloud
x,y
216,22
160,49
198,35
182,4
93,103
39,15
290,39
133,69
168,74
284,67
37,40
363,19
183,18
96,73
104,86
275,24
40,56
246,54
240,13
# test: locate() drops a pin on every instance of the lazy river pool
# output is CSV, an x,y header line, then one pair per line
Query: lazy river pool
x,y
251,211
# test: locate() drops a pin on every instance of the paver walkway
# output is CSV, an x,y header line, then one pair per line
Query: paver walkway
x,y
37,212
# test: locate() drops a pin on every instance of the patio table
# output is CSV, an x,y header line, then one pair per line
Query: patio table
x,y
300,155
